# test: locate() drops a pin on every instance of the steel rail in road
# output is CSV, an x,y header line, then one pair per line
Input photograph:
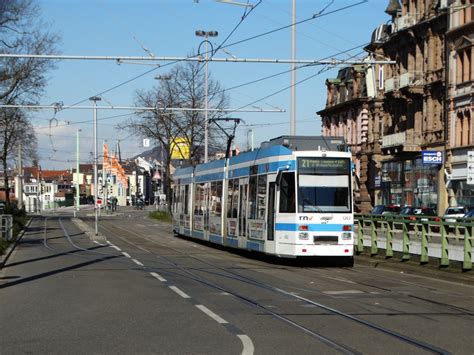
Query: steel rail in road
x,y
340,347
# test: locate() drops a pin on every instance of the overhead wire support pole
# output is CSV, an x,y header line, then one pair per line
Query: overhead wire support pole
x,y
96,189
293,71
78,183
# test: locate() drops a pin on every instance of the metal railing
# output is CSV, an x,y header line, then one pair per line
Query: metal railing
x,y
6,227
430,239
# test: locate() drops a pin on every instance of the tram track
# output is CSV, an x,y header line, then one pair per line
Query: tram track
x,y
237,277
462,311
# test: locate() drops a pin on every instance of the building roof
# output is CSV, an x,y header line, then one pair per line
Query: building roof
x,y
32,173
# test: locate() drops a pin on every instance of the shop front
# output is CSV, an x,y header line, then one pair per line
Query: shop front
x,y
410,182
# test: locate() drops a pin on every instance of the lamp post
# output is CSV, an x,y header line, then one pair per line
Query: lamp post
x,y
96,190
78,183
206,35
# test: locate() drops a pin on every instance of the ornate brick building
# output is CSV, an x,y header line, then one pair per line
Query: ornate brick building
x,y
459,103
404,106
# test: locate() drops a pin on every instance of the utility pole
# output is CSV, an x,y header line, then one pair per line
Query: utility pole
x,y
78,182
104,181
20,179
96,189
293,72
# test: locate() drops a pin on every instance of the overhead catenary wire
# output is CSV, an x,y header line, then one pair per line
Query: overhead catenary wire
x,y
313,17
229,88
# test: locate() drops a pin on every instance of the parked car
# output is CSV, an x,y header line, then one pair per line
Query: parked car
x,y
386,210
469,214
420,214
453,213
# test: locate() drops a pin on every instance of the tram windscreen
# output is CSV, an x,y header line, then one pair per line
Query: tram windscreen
x,y
324,185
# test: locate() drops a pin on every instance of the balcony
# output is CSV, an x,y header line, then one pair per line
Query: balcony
x,y
393,140
405,21
411,78
391,84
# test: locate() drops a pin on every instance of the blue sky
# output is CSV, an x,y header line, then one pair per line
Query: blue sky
x,y
166,28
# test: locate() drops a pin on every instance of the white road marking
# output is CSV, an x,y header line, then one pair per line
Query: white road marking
x,y
116,248
126,254
179,292
338,279
154,274
109,243
343,292
137,262
247,343
211,314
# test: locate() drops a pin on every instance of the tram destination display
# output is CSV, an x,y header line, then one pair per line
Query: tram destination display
x,y
333,166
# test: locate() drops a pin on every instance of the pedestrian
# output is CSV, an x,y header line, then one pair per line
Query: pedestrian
x,y
114,203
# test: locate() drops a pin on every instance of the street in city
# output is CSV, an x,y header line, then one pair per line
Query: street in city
x,y
143,290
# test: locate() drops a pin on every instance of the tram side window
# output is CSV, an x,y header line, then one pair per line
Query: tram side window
x,y
262,196
199,204
253,197
230,193
287,193
216,197
186,199
232,203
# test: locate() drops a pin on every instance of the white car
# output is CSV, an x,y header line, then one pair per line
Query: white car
x,y
453,213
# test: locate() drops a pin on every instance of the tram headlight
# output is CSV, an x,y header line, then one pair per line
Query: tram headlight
x,y
346,236
304,236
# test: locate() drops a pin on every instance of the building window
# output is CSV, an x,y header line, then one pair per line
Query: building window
x,y
463,72
463,128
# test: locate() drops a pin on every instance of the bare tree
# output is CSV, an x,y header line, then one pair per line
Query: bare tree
x,y
184,88
22,80
15,129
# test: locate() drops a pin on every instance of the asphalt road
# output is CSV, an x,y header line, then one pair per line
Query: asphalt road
x,y
146,291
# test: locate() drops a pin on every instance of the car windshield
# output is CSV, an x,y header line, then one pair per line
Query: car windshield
x,y
455,210
377,210
407,211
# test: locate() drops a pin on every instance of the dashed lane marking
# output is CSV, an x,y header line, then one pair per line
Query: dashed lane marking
x,y
154,274
343,292
211,314
116,248
126,254
137,262
179,292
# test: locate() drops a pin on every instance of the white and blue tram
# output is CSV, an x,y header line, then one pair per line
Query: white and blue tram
x,y
290,198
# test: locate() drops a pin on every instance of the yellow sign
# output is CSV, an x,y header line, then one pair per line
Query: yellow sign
x,y
180,148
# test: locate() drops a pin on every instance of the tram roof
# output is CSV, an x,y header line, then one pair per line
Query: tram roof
x,y
279,146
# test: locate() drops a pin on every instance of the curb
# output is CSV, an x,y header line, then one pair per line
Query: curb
x,y
414,268
11,247
100,238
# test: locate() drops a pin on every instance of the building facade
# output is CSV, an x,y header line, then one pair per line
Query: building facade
x,y
405,149
459,101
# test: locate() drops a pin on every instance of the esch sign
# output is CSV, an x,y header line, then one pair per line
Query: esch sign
x,y
432,157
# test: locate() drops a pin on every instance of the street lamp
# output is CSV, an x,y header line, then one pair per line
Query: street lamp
x,y
206,35
78,183
96,190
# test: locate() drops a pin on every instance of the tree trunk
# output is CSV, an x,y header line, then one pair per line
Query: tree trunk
x,y
6,183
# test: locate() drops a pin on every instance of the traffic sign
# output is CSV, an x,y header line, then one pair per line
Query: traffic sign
x,y
470,168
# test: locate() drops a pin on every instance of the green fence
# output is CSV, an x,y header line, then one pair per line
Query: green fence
x,y
430,238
